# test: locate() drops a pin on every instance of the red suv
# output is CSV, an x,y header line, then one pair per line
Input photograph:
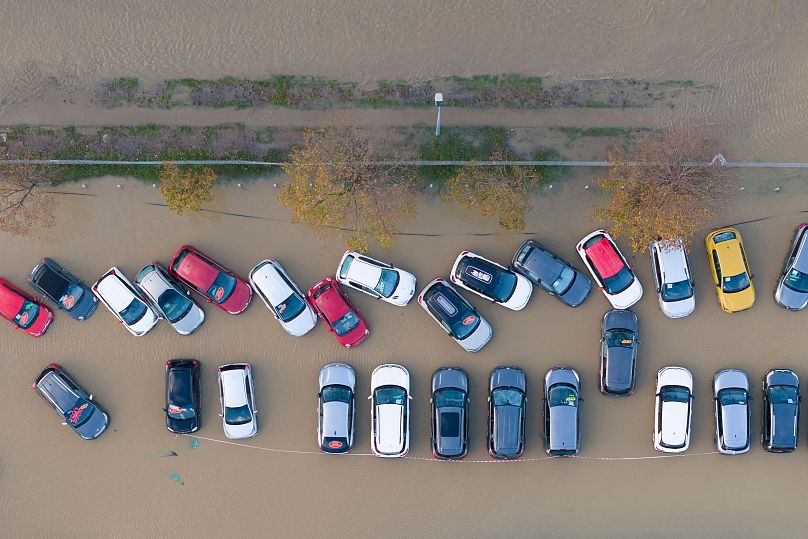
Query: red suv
x,y
214,282
336,310
23,311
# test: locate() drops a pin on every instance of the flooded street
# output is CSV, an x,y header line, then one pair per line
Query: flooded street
x,y
120,485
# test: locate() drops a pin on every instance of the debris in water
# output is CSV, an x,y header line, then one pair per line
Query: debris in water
x,y
196,444
169,454
776,189
175,477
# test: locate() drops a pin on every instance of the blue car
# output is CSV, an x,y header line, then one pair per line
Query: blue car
x,y
62,288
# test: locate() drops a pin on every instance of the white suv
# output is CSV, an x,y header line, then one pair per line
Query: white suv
x,y
125,302
673,410
674,284
237,400
377,279
282,296
390,411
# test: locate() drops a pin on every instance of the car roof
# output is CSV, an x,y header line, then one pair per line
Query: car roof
x,y
197,270
389,432
604,257
155,282
50,280
331,302
478,271
269,280
541,262
10,300
801,263
729,255
448,294
674,264
364,273
234,387
115,291
54,385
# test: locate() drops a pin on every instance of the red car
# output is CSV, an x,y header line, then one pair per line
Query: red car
x,y
214,282
23,311
336,310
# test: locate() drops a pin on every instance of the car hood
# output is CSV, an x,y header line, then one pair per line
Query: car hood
x,y
190,322
450,445
619,366
507,433
478,338
578,291
620,319
730,378
679,309
563,427
521,294
241,431
405,289
455,378
627,297
790,299
94,426
146,322
784,421
739,301
340,374
183,425
734,425
505,377
239,299
389,428
336,420
86,307
674,423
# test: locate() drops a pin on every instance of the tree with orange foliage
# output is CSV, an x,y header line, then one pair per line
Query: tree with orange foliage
x,y
186,188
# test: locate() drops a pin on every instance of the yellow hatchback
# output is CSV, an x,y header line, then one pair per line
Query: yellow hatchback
x,y
731,275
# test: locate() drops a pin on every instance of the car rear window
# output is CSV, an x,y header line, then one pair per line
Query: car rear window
x,y
724,236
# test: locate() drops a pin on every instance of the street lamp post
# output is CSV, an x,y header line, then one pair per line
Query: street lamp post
x,y
439,104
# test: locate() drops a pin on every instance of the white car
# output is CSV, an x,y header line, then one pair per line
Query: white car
x,y
169,299
125,302
610,269
673,410
390,411
237,400
282,296
491,281
673,280
377,279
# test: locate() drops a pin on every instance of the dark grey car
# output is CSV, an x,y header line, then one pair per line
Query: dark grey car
x,y
74,405
792,288
562,418
450,413
551,273
618,352
506,413
781,411
62,288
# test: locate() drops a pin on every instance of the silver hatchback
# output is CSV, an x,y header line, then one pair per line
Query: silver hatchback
x,y
733,416
336,408
169,299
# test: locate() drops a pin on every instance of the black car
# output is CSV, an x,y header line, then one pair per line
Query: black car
x,y
450,413
62,288
182,396
781,411
74,405
506,413
618,352
551,273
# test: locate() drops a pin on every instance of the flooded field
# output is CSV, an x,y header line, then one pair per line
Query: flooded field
x,y
120,485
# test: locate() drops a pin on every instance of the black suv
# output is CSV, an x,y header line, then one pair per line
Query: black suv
x,y
182,396
781,411
71,402
62,288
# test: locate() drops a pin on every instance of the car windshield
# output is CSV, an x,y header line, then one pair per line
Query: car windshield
x,y
390,395
181,412
449,397
79,413
507,397
387,283
336,393
564,280
783,395
736,283
290,308
174,304
346,323
223,285
797,281
562,395
237,416
675,394
27,314
71,296
677,291
619,338
619,281
133,312
728,397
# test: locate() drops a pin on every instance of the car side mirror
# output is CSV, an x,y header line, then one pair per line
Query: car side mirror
x,y
409,397
64,423
220,415
370,397
166,411
90,397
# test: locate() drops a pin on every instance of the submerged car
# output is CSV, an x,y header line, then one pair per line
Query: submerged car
x,y
455,315
450,413
506,412
390,411
336,310
733,415
62,288
71,402
211,280
610,269
673,410
336,407
618,352
730,270
182,396
283,297
491,281
169,300
551,273
237,400
672,277
23,311
792,288
125,302
562,415
781,411
377,279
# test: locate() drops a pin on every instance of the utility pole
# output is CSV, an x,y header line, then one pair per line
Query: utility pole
x,y
439,104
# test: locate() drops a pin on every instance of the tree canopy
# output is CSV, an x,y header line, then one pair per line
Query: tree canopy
x,y
26,201
186,188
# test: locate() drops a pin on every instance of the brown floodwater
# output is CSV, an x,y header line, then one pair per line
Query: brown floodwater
x,y
55,484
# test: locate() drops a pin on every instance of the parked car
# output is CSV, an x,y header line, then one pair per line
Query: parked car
x,y
211,280
71,402
618,352
673,410
551,273
562,416
390,411
506,413
23,311
610,269
183,399
450,413
377,279
730,270
62,288
733,415
792,288
455,315
491,281
673,280
237,400
781,411
336,407
125,302
343,319
169,300
282,297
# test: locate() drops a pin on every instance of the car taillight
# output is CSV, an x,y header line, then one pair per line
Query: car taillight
x,y
464,253
194,362
33,385
452,277
52,366
420,300
168,363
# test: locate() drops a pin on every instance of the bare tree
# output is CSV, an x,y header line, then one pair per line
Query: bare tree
x,y
25,198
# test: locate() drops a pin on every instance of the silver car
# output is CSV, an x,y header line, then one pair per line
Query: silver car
x,y
562,417
336,408
792,288
169,299
733,416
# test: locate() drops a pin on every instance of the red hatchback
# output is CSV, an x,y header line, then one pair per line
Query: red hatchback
x,y
336,310
23,311
214,282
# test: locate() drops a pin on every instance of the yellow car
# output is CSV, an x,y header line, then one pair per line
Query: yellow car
x,y
731,275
